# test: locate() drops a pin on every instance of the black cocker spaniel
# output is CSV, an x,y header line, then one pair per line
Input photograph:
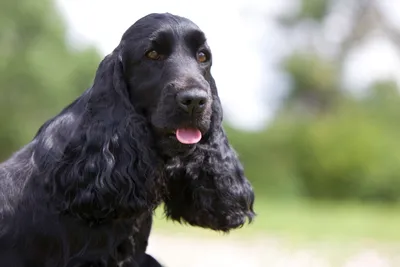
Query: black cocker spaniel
x,y
82,193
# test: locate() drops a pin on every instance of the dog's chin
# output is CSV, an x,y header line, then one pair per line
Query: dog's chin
x,y
171,147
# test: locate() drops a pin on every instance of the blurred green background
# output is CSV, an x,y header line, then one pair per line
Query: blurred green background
x,y
326,167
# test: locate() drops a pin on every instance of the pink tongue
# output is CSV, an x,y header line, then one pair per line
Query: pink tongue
x,y
188,136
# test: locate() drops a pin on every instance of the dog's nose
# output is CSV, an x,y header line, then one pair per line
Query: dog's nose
x,y
193,100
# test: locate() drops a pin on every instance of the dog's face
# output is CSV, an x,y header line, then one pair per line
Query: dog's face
x,y
167,66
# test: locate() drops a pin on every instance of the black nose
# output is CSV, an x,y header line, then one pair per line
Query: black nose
x,y
193,100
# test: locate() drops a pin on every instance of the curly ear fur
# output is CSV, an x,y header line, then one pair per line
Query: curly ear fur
x,y
83,191
101,156
208,188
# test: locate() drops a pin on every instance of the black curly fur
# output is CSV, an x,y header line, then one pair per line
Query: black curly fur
x,y
208,188
83,191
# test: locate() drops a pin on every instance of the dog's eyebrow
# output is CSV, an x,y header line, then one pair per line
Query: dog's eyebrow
x,y
196,37
159,36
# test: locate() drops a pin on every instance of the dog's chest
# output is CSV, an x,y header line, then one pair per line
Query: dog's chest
x,y
104,238
119,241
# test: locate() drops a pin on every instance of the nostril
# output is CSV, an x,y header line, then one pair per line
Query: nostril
x,y
192,100
186,102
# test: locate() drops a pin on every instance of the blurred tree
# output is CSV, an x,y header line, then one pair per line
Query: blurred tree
x,y
314,83
39,72
313,9
325,142
349,151
316,64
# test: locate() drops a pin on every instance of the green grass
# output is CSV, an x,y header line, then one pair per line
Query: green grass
x,y
302,220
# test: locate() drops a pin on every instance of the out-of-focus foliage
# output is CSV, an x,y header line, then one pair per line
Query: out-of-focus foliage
x,y
326,143
352,152
314,82
315,9
39,71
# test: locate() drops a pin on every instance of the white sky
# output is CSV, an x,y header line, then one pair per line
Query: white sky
x,y
243,65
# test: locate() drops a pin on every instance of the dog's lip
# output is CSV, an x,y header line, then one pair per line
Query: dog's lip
x,y
171,134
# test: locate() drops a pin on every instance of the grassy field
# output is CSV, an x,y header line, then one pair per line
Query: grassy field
x,y
288,233
304,221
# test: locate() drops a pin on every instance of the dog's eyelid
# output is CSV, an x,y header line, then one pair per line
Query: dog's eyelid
x,y
152,50
159,47
153,54
203,55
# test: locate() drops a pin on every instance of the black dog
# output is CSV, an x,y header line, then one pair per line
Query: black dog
x,y
148,131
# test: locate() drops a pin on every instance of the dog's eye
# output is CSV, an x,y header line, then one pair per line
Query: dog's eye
x,y
201,57
153,54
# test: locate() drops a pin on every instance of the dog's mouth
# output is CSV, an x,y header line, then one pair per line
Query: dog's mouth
x,y
187,136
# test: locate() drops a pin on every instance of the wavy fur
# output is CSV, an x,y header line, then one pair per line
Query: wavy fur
x,y
83,191
208,188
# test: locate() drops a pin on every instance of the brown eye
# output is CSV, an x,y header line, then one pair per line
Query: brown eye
x,y
153,54
201,57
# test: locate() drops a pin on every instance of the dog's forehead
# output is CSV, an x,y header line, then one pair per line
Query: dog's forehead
x,y
152,24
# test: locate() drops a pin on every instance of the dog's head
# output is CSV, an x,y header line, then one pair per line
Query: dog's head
x,y
166,62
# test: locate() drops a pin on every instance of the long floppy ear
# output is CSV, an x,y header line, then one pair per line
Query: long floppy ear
x,y
208,188
102,163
